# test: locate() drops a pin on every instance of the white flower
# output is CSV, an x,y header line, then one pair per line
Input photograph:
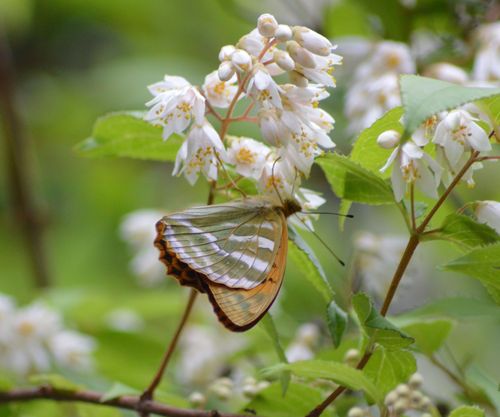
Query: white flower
x,y
241,60
300,55
220,93
447,72
308,334
457,133
413,165
389,139
308,200
267,25
488,212
322,71
283,33
278,177
248,156
487,61
391,56
225,52
36,322
272,128
200,152
254,43
72,350
283,60
312,41
138,227
264,88
298,352
175,104
225,71
124,320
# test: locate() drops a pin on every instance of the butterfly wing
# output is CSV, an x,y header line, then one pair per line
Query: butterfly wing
x,y
232,244
240,309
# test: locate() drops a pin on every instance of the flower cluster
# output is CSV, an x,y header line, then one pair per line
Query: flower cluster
x,y
255,69
453,134
33,338
375,87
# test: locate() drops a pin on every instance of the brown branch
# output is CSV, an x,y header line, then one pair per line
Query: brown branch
x,y
18,169
126,402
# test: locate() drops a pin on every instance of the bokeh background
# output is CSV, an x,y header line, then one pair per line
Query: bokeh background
x,y
77,60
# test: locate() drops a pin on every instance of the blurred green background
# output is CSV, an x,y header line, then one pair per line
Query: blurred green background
x,y
76,60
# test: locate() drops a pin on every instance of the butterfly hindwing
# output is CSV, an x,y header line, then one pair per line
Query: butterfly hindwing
x,y
231,244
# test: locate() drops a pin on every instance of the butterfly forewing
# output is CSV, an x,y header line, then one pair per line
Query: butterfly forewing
x,y
232,244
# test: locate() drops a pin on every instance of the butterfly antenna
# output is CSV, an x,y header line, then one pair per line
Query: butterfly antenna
x,y
229,176
294,182
340,261
350,216
274,184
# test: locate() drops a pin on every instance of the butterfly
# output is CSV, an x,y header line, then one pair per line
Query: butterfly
x,y
234,252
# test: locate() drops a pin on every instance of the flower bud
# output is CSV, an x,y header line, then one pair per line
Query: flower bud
x,y
250,391
241,60
416,380
262,385
391,398
225,71
388,139
284,60
222,392
425,403
351,356
267,25
416,398
312,41
403,390
447,72
300,55
488,212
400,406
226,52
298,79
197,399
283,33
356,412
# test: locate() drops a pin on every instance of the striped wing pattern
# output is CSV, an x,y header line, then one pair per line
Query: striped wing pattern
x,y
232,244
234,252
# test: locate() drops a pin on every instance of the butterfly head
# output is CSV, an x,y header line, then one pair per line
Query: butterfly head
x,y
290,206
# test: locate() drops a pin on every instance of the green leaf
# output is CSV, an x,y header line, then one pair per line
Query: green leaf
x,y
340,373
465,232
300,399
388,368
467,411
271,330
423,97
366,152
486,383
119,390
377,327
482,264
351,181
429,335
345,206
93,410
305,260
54,380
337,322
491,106
126,134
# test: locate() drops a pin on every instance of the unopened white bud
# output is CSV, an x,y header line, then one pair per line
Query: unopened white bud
x,y
267,25
249,380
300,55
488,212
356,412
250,391
226,52
283,60
388,139
400,406
391,398
426,415
308,334
416,380
224,381
416,398
351,356
262,385
312,41
197,399
425,403
241,60
283,33
403,390
298,79
222,392
447,72
225,71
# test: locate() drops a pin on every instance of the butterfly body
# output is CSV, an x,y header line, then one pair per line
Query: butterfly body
x,y
234,252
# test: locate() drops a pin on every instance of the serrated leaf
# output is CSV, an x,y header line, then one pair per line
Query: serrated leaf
x,y
270,328
366,152
465,232
118,390
126,134
377,327
305,260
388,368
299,400
482,264
337,322
423,97
351,181
429,335
467,411
338,372
54,380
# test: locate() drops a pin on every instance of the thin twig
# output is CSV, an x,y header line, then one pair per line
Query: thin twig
x,y
126,402
412,206
18,169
